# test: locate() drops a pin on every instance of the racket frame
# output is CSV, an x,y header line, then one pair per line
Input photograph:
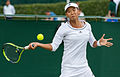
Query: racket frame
x,y
23,48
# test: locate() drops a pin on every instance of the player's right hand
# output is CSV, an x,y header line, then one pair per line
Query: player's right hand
x,y
33,45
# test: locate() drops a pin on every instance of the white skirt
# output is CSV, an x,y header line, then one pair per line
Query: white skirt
x,y
76,72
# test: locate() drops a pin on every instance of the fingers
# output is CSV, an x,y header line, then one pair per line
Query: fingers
x,y
32,45
108,44
110,39
107,39
103,36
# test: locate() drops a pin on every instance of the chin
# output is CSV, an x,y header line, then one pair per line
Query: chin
x,y
73,19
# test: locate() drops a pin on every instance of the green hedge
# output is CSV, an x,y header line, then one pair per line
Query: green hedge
x,y
90,8
2,2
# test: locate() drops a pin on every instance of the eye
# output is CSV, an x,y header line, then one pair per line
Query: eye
x,y
73,9
68,11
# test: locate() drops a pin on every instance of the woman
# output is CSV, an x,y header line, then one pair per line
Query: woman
x,y
75,34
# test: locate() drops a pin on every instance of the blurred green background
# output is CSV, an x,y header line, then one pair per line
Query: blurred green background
x,y
93,8
103,61
42,1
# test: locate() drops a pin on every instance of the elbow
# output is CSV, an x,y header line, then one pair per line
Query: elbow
x,y
52,48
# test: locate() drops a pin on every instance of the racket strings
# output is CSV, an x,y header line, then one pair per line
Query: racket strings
x,y
12,52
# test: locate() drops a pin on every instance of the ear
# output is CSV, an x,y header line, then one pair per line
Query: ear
x,y
66,14
78,12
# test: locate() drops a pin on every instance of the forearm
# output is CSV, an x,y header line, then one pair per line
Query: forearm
x,y
45,46
33,45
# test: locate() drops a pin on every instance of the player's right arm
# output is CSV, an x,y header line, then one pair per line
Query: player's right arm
x,y
57,40
36,44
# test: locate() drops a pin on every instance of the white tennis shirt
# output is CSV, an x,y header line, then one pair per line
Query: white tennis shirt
x,y
75,43
9,10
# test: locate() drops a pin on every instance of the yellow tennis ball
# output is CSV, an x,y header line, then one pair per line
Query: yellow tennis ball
x,y
40,37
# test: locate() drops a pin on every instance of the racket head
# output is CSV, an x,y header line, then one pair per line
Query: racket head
x,y
12,52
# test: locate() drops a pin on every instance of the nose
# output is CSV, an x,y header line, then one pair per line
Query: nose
x,y
72,12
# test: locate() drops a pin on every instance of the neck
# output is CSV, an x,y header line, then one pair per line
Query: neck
x,y
8,4
76,23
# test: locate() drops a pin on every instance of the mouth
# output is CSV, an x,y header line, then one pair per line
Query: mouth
x,y
73,16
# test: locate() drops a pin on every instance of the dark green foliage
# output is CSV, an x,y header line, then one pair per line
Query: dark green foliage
x,y
90,8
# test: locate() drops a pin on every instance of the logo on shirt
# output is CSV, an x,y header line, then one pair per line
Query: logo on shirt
x,y
80,31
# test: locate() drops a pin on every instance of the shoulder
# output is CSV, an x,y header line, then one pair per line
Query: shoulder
x,y
4,6
88,25
11,5
62,25
62,28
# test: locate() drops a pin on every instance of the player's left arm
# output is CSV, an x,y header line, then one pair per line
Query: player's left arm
x,y
103,42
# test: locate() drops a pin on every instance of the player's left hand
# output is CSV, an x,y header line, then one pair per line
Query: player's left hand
x,y
104,42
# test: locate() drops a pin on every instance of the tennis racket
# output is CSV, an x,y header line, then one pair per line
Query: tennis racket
x,y
13,52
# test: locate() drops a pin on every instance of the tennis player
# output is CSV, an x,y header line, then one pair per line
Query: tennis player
x,y
75,34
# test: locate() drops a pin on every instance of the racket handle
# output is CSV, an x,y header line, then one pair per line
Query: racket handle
x,y
26,47
33,45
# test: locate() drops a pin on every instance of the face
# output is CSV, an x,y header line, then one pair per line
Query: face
x,y
8,2
72,13
47,13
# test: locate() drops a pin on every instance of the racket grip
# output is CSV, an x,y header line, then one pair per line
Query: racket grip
x,y
26,47
33,45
